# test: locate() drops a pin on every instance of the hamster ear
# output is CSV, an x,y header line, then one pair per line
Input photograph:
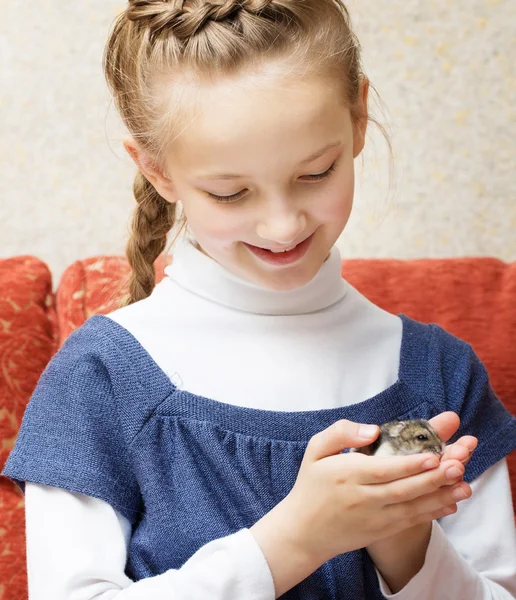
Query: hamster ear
x,y
397,428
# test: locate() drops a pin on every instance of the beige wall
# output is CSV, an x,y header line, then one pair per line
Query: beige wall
x,y
444,68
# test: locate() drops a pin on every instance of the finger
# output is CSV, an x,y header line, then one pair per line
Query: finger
x,y
402,523
445,512
407,522
396,523
377,470
341,434
420,484
433,503
469,441
446,424
456,453
461,450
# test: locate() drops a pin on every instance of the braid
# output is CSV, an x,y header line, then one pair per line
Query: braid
x,y
161,16
153,218
156,15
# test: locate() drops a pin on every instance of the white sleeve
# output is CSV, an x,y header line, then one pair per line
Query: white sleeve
x,y
472,554
77,548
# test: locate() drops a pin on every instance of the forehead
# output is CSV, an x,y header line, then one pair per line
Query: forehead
x,y
259,111
416,429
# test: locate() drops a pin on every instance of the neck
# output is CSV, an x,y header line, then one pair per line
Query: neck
x,y
195,270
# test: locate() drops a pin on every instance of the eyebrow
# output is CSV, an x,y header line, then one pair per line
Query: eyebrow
x,y
303,162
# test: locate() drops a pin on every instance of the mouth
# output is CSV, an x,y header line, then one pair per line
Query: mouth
x,y
279,256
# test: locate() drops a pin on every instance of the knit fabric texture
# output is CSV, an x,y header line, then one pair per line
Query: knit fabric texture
x,y
106,421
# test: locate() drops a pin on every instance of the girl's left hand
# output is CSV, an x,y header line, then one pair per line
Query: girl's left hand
x,y
446,424
408,548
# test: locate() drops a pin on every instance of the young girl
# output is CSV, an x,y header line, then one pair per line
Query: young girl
x,y
191,443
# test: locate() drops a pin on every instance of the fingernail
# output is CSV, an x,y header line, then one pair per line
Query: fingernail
x,y
459,494
430,464
367,431
453,473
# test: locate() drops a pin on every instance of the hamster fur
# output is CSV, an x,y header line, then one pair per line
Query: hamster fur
x,y
400,438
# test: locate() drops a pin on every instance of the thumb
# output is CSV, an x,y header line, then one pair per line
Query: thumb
x,y
341,434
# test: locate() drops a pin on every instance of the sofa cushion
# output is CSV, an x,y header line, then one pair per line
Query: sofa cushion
x,y
472,298
27,341
94,286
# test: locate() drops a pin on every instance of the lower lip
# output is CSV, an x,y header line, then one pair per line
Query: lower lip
x,y
282,258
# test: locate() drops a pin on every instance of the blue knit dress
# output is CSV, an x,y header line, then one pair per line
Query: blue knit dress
x,y
107,422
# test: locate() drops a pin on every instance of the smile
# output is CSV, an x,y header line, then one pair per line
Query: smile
x,y
280,257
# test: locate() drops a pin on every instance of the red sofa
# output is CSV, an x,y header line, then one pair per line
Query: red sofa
x,y
473,298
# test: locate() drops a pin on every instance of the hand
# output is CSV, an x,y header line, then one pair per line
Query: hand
x,y
328,486
401,556
342,502
446,424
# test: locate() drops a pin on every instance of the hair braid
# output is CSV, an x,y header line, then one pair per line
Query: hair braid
x,y
153,218
164,16
155,15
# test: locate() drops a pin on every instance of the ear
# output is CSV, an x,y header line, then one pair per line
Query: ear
x,y
360,127
149,169
397,428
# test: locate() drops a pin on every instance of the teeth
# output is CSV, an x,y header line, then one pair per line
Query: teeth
x,y
286,249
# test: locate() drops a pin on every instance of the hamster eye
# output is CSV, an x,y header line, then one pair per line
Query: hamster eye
x,y
422,437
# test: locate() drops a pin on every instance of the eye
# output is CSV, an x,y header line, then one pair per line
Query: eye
x,y
239,195
422,438
321,176
232,198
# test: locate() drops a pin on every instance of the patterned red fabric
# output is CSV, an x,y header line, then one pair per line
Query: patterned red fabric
x,y
473,298
94,286
27,341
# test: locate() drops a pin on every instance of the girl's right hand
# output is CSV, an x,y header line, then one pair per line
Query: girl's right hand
x,y
342,502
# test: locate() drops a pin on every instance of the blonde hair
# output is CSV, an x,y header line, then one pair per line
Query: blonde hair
x,y
212,40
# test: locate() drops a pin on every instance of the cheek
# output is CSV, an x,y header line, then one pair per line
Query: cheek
x,y
213,224
336,201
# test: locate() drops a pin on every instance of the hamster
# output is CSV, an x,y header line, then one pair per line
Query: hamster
x,y
400,438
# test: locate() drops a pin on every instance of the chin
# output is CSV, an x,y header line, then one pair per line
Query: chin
x,y
282,285
285,281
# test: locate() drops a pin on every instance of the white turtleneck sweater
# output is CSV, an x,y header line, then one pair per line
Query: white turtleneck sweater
x,y
199,322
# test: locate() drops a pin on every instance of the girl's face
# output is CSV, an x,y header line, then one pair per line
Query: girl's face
x,y
267,165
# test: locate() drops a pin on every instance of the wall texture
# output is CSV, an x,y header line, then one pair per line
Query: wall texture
x,y
445,70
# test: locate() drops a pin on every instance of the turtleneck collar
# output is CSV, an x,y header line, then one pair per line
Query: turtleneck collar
x,y
202,275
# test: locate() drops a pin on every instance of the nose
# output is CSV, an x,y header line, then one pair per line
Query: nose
x,y
283,223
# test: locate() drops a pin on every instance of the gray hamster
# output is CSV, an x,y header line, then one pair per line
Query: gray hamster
x,y
400,438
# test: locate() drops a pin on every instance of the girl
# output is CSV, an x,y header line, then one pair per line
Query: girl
x,y
190,444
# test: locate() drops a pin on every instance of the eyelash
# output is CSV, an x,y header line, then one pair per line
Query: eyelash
x,y
235,197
